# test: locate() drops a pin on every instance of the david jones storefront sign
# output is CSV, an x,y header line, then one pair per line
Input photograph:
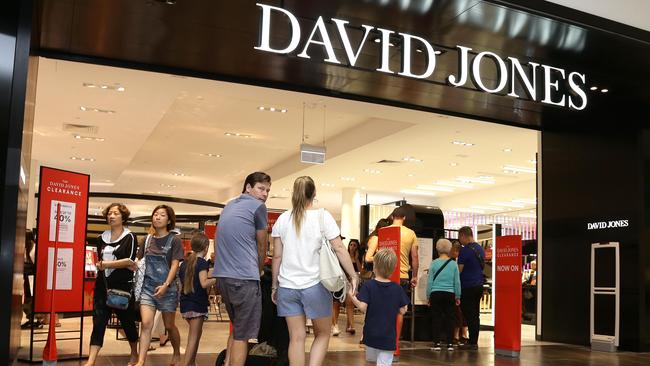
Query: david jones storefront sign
x,y
508,69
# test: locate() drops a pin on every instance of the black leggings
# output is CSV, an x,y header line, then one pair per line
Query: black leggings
x,y
102,314
443,315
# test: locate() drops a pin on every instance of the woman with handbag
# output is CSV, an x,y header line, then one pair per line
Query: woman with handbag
x,y
300,275
161,253
114,282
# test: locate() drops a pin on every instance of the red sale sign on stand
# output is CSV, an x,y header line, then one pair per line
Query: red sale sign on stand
x,y
390,237
62,205
507,314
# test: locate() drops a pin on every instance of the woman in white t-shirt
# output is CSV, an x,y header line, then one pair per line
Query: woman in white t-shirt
x,y
296,289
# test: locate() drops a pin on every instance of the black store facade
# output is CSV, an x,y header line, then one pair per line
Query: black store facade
x,y
525,64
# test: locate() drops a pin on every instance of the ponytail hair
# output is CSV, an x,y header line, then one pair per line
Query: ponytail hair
x,y
304,191
199,243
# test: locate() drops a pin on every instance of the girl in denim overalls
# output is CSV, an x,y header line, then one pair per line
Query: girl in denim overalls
x,y
162,252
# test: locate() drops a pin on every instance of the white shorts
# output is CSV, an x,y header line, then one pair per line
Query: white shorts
x,y
381,357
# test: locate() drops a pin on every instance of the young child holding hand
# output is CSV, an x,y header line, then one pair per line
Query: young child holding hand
x,y
381,300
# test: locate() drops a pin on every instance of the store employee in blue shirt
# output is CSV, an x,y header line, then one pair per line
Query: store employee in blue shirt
x,y
471,261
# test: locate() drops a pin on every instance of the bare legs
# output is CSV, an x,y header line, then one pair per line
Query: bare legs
x,y
169,318
238,350
193,338
297,336
147,313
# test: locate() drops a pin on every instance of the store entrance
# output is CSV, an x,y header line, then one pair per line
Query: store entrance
x,y
145,133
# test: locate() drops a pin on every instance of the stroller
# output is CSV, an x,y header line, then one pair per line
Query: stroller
x,y
273,338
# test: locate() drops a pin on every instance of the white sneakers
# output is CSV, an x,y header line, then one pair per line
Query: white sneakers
x,y
335,330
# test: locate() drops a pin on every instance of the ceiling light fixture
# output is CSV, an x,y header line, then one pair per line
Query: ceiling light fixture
x,y
272,109
530,201
237,134
411,159
180,175
594,88
211,155
454,184
519,169
82,158
488,208
418,193
89,138
507,150
468,210
453,164
463,143
434,188
115,87
604,90
411,175
508,204
167,185
482,179
93,109
348,179
372,171
329,185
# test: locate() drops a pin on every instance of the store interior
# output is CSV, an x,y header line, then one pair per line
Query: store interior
x,y
139,133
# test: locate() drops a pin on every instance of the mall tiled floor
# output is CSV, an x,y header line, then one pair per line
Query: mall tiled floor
x,y
345,350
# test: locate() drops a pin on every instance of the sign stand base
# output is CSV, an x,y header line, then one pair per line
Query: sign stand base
x,y
506,353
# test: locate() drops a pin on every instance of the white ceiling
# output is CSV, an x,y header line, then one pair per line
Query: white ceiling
x,y
630,12
164,123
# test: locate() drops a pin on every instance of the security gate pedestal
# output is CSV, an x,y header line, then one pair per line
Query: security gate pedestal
x,y
605,296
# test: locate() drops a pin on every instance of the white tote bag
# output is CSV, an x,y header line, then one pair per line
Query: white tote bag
x,y
138,275
331,273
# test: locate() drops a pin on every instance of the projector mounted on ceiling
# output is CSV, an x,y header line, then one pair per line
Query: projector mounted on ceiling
x,y
312,154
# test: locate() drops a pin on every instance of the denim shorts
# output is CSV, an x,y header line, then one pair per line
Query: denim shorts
x,y
167,303
314,302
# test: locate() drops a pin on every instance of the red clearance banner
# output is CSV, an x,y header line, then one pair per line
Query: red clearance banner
x,y
69,191
507,313
390,237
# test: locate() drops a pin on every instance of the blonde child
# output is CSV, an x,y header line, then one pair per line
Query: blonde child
x,y
381,300
194,297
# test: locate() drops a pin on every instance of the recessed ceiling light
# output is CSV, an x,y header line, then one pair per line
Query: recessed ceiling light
x,y
180,175
93,109
237,134
104,86
377,40
211,155
519,169
604,90
272,109
508,204
429,207
167,185
437,52
509,171
82,158
348,179
372,171
418,193
463,143
434,188
453,164
411,159
469,210
507,150
418,50
490,208
481,179
529,201
411,175
329,185
454,184
89,138
594,88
